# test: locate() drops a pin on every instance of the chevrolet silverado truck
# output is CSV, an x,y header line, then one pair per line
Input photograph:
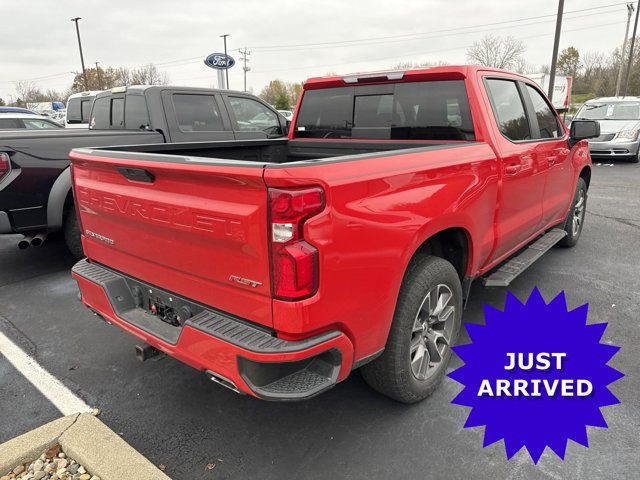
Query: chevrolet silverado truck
x,y
279,266
35,180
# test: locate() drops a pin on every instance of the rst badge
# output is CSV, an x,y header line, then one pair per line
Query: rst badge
x,y
97,236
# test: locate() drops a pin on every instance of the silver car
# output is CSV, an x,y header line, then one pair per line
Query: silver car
x,y
619,119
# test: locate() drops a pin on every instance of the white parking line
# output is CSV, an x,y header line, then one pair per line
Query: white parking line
x,y
52,388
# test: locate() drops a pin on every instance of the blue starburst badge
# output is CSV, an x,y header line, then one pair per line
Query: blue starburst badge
x,y
535,375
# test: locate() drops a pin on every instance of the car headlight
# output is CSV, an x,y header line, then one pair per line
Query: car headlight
x,y
629,134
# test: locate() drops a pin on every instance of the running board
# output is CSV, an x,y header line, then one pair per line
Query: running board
x,y
504,275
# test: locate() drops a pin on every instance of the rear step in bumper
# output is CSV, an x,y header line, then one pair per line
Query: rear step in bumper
x,y
247,357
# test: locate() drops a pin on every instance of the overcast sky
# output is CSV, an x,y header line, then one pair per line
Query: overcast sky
x,y
39,41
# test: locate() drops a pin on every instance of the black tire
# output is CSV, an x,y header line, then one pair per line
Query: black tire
x,y
71,230
635,158
573,235
392,373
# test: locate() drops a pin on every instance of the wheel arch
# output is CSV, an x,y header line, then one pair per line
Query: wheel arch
x,y
585,174
453,244
58,198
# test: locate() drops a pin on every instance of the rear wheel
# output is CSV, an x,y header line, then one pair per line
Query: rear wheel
x,y
425,325
575,217
72,232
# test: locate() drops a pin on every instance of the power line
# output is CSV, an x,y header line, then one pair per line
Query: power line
x,y
462,47
265,47
433,34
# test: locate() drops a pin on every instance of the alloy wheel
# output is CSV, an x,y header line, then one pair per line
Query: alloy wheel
x,y
432,330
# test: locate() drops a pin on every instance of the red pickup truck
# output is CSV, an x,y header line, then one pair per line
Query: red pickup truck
x,y
278,266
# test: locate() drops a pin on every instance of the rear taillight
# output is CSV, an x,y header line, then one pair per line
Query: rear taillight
x,y
5,165
294,262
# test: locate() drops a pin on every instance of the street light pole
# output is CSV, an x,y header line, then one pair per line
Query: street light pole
x,y
633,42
624,48
226,70
556,42
84,72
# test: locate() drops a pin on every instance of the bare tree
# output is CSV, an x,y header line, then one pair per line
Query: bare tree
x,y
498,52
148,75
29,92
592,62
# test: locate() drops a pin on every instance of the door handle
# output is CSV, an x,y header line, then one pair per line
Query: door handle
x,y
512,169
551,160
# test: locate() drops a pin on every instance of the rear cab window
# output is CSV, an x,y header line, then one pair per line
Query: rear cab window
x,y
197,113
79,110
122,112
430,110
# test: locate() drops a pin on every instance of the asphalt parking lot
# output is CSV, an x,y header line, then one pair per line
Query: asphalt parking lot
x,y
175,417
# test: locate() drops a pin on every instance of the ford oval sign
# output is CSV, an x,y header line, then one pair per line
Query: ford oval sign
x,y
219,61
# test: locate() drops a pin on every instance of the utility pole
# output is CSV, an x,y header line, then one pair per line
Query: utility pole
x,y
624,47
245,53
84,72
556,42
226,70
633,42
98,74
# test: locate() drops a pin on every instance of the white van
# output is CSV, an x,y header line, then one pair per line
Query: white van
x,y
79,109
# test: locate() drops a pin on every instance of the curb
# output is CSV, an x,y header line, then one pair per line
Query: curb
x,y
86,440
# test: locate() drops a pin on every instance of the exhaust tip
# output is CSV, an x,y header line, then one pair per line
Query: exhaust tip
x,y
220,380
25,242
38,239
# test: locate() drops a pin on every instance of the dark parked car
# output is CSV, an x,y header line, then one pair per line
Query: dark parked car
x,y
35,179
16,110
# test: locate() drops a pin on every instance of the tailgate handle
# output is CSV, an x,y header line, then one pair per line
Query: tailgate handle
x,y
137,174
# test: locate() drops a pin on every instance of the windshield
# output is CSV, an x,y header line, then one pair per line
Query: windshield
x,y
610,111
436,110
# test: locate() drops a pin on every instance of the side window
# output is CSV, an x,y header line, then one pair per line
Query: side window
x,y
135,112
9,124
37,124
117,112
100,114
86,109
509,109
547,120
74,111
197,113
252,116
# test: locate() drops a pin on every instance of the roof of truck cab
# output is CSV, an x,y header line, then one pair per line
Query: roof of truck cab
x,y
443,72
141,89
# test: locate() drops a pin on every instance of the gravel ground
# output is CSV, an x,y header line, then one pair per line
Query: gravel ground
x,y
52,465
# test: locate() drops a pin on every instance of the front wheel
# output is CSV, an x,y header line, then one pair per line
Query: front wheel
x,y
425,326
575,217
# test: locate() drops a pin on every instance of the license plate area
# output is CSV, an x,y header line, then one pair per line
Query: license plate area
x,y
163,305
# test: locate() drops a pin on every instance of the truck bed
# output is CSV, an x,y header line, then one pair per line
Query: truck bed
x,y
271,151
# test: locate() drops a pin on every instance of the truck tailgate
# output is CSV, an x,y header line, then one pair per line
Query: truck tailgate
x,y
197,229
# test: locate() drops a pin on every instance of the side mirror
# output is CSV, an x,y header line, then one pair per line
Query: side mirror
x,y
583,129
